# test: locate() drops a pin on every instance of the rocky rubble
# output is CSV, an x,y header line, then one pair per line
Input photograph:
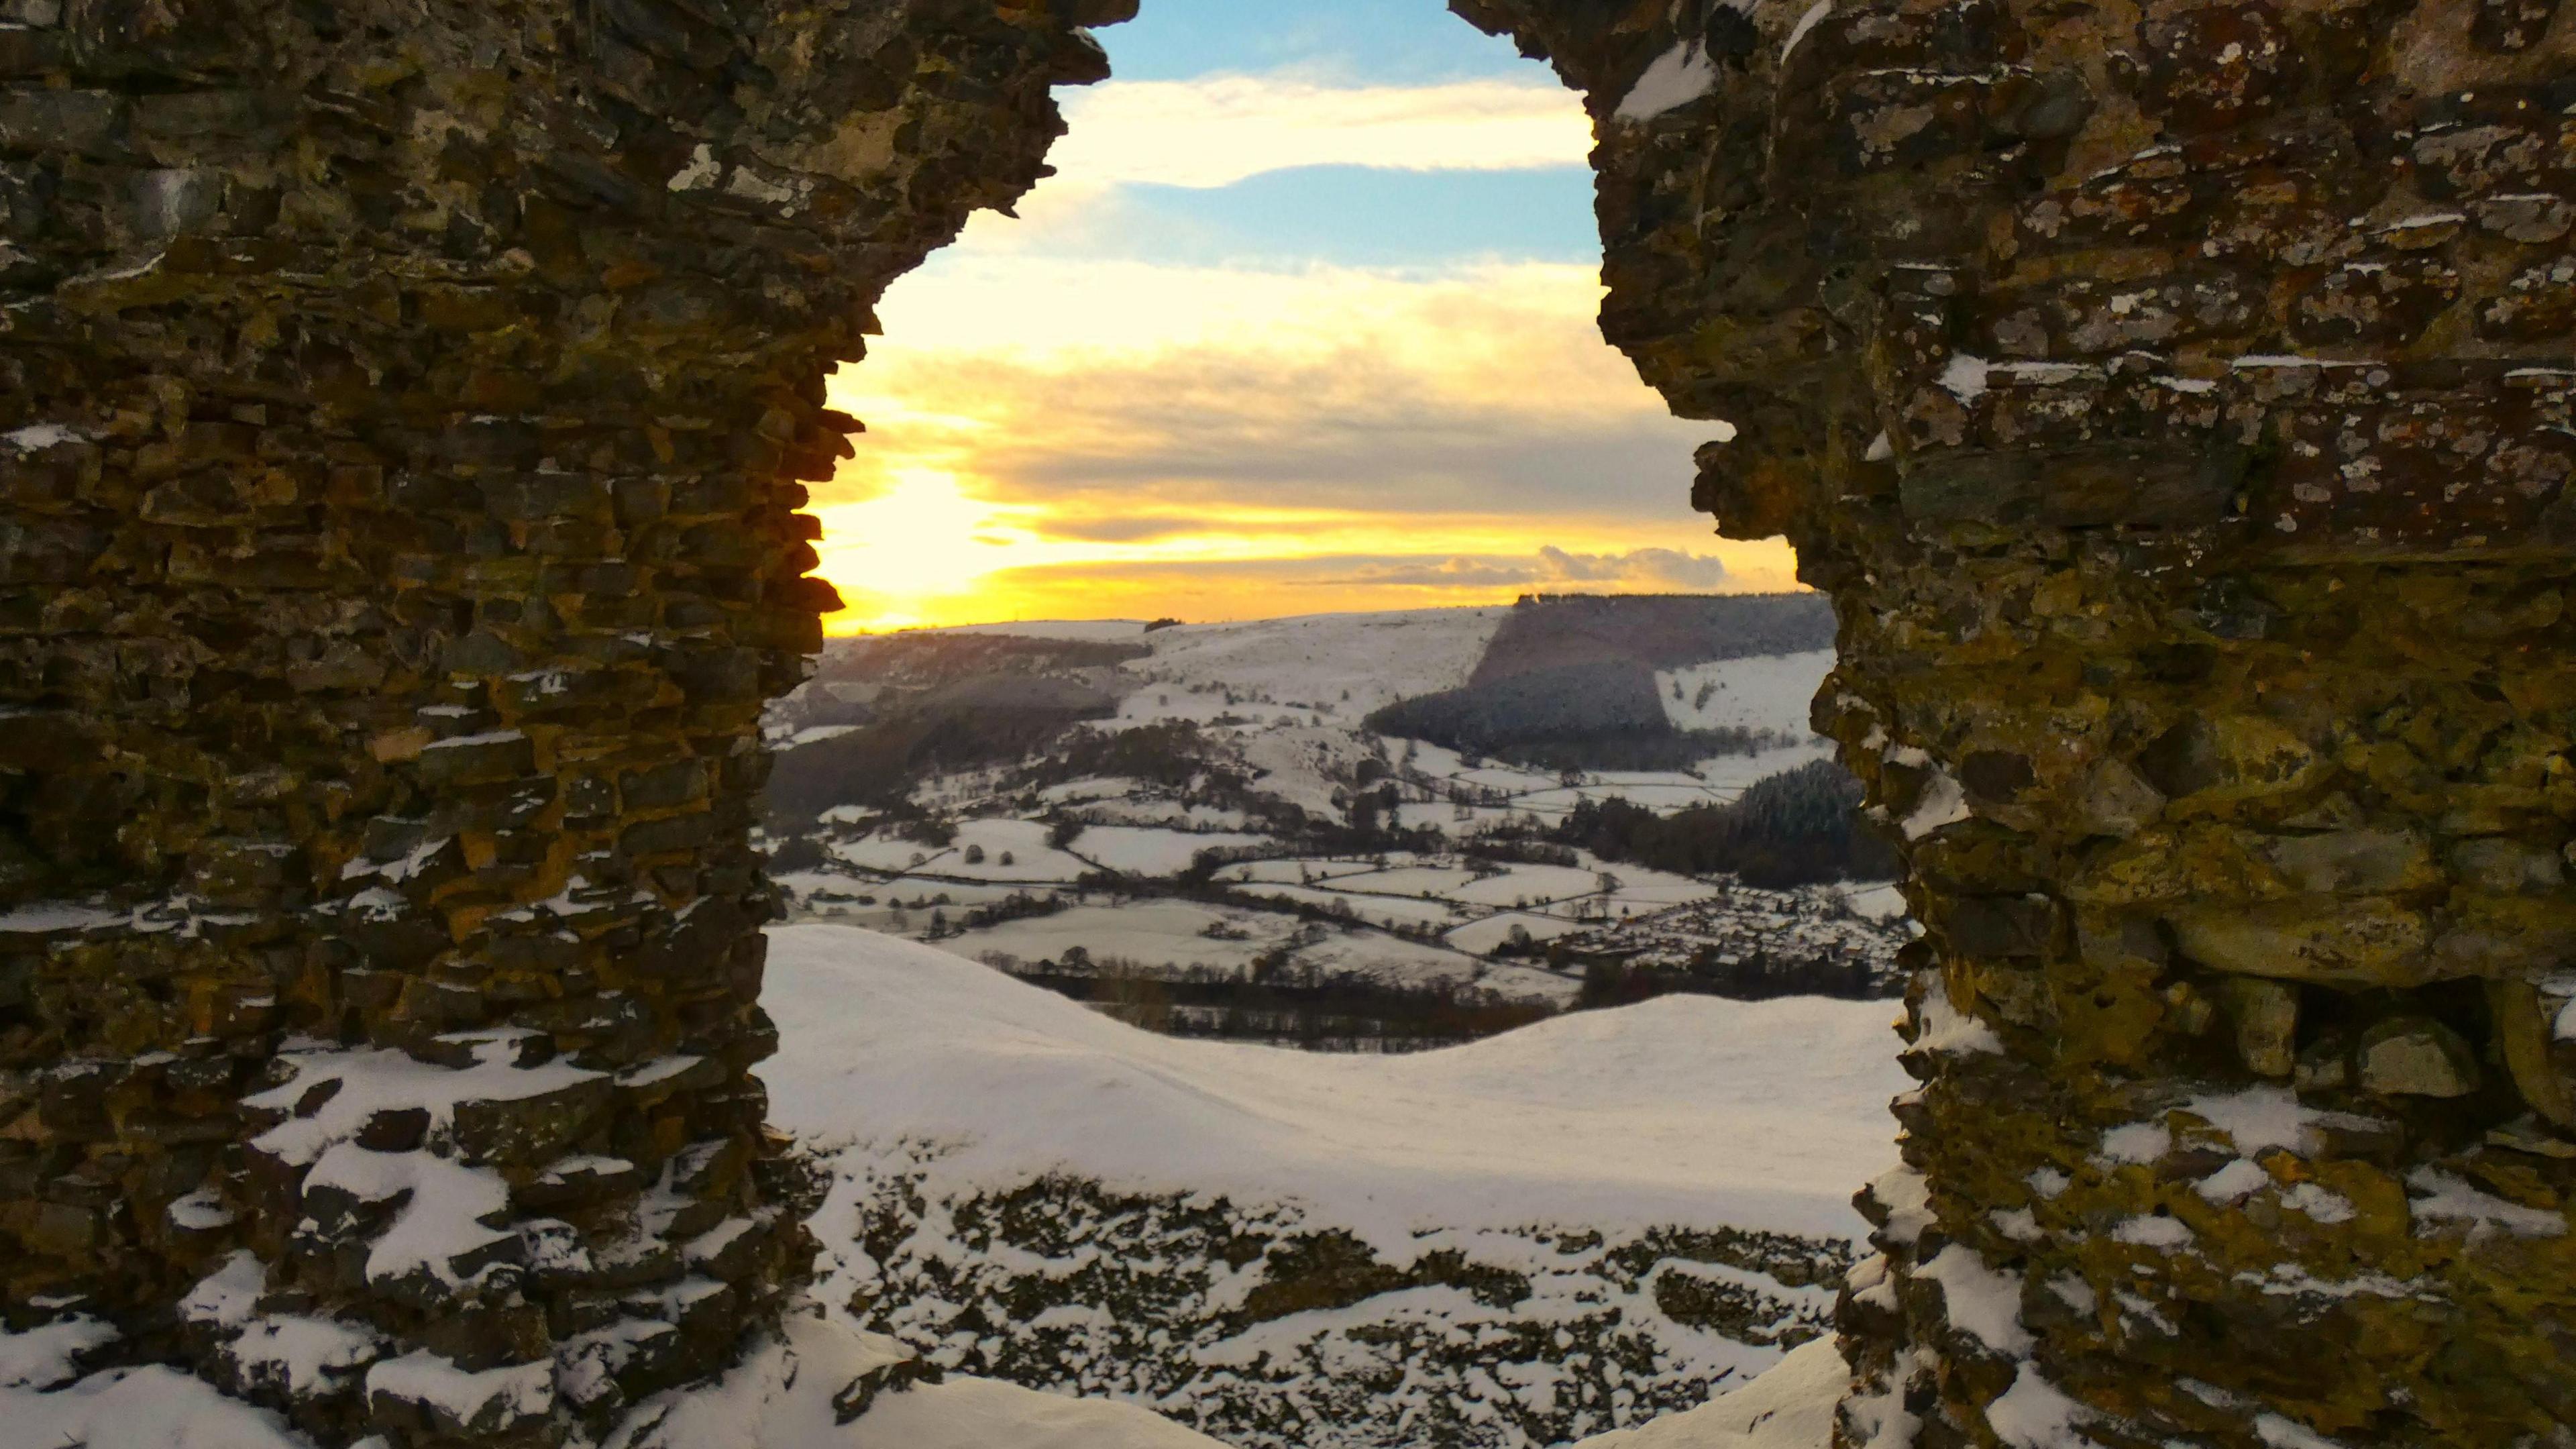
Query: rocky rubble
x,y
402,413
1267,1331
2176,401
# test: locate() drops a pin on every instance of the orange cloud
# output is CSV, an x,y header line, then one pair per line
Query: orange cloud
x,y
1056,436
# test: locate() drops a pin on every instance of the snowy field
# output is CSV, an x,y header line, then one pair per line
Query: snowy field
x,y
1339,667
1763,693
1397,918
1174,935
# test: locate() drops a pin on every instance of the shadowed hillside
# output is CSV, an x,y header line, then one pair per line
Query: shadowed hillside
x,y
1656,631
1569,682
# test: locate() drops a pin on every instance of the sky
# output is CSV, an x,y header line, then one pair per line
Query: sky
x,y
1305,322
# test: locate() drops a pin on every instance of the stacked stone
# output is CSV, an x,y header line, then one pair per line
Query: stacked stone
x,y
2179,402
402,417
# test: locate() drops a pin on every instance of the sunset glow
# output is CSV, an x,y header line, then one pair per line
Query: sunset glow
x,y
1210,374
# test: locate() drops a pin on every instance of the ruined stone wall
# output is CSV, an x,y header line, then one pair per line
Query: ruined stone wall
x,y
2176,400
402,407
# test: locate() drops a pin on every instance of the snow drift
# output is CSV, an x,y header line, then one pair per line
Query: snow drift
x,y
1686,1111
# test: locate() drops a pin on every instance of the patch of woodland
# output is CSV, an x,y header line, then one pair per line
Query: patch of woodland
x,y
1802,827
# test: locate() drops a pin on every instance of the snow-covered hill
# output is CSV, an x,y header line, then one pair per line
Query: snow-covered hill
x,y
1765,692
1684,1111
1337,666
783,1399
1586,1225
1570,1228
1254,740
1292,695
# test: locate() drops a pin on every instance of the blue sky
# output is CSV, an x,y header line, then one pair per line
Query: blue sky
x,y
1363,216
1355,215
1387,42
1305,321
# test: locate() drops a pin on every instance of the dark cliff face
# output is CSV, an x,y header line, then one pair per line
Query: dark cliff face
x,y
402,413
2176,401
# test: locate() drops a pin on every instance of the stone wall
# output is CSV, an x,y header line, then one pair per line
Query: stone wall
x,y
2176,400
402,404
402,411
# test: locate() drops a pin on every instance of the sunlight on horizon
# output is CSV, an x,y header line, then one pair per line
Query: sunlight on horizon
x,y
1138,402
933,554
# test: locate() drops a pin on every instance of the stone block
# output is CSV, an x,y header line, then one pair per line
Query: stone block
x,y
2416,1057
667,835
579,1182
422,1394
2355,862
2116,800
162,202
2127,483
85,123
2507,867
2370,941
2537,1053
2001,926
2266,1018
664,787
525,1131
477,759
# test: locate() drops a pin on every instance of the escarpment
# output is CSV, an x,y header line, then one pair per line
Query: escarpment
x,y
402,413
2176,401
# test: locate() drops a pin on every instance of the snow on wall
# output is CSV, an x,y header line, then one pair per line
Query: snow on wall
x,y
1678,77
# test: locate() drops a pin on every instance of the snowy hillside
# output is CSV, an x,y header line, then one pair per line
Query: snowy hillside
x,y
1570,1228
1212,806
1291,695
1767,692
1683,1111
1590,1225
789,1394
1338,666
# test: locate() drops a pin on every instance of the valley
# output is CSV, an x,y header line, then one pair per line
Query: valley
x,y
1210,830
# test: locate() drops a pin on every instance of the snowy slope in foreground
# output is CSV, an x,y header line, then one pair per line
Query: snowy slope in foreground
x,y
1685,1110
1790,1407
1584,1225
782,1398
1679,1113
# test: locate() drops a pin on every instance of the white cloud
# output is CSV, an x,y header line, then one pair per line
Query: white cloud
x,y
1081,430
1266,585
1523,331
1222,129
1480,388
1642,568
1663,566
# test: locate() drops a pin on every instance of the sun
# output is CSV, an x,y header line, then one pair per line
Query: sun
x,y
922,540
